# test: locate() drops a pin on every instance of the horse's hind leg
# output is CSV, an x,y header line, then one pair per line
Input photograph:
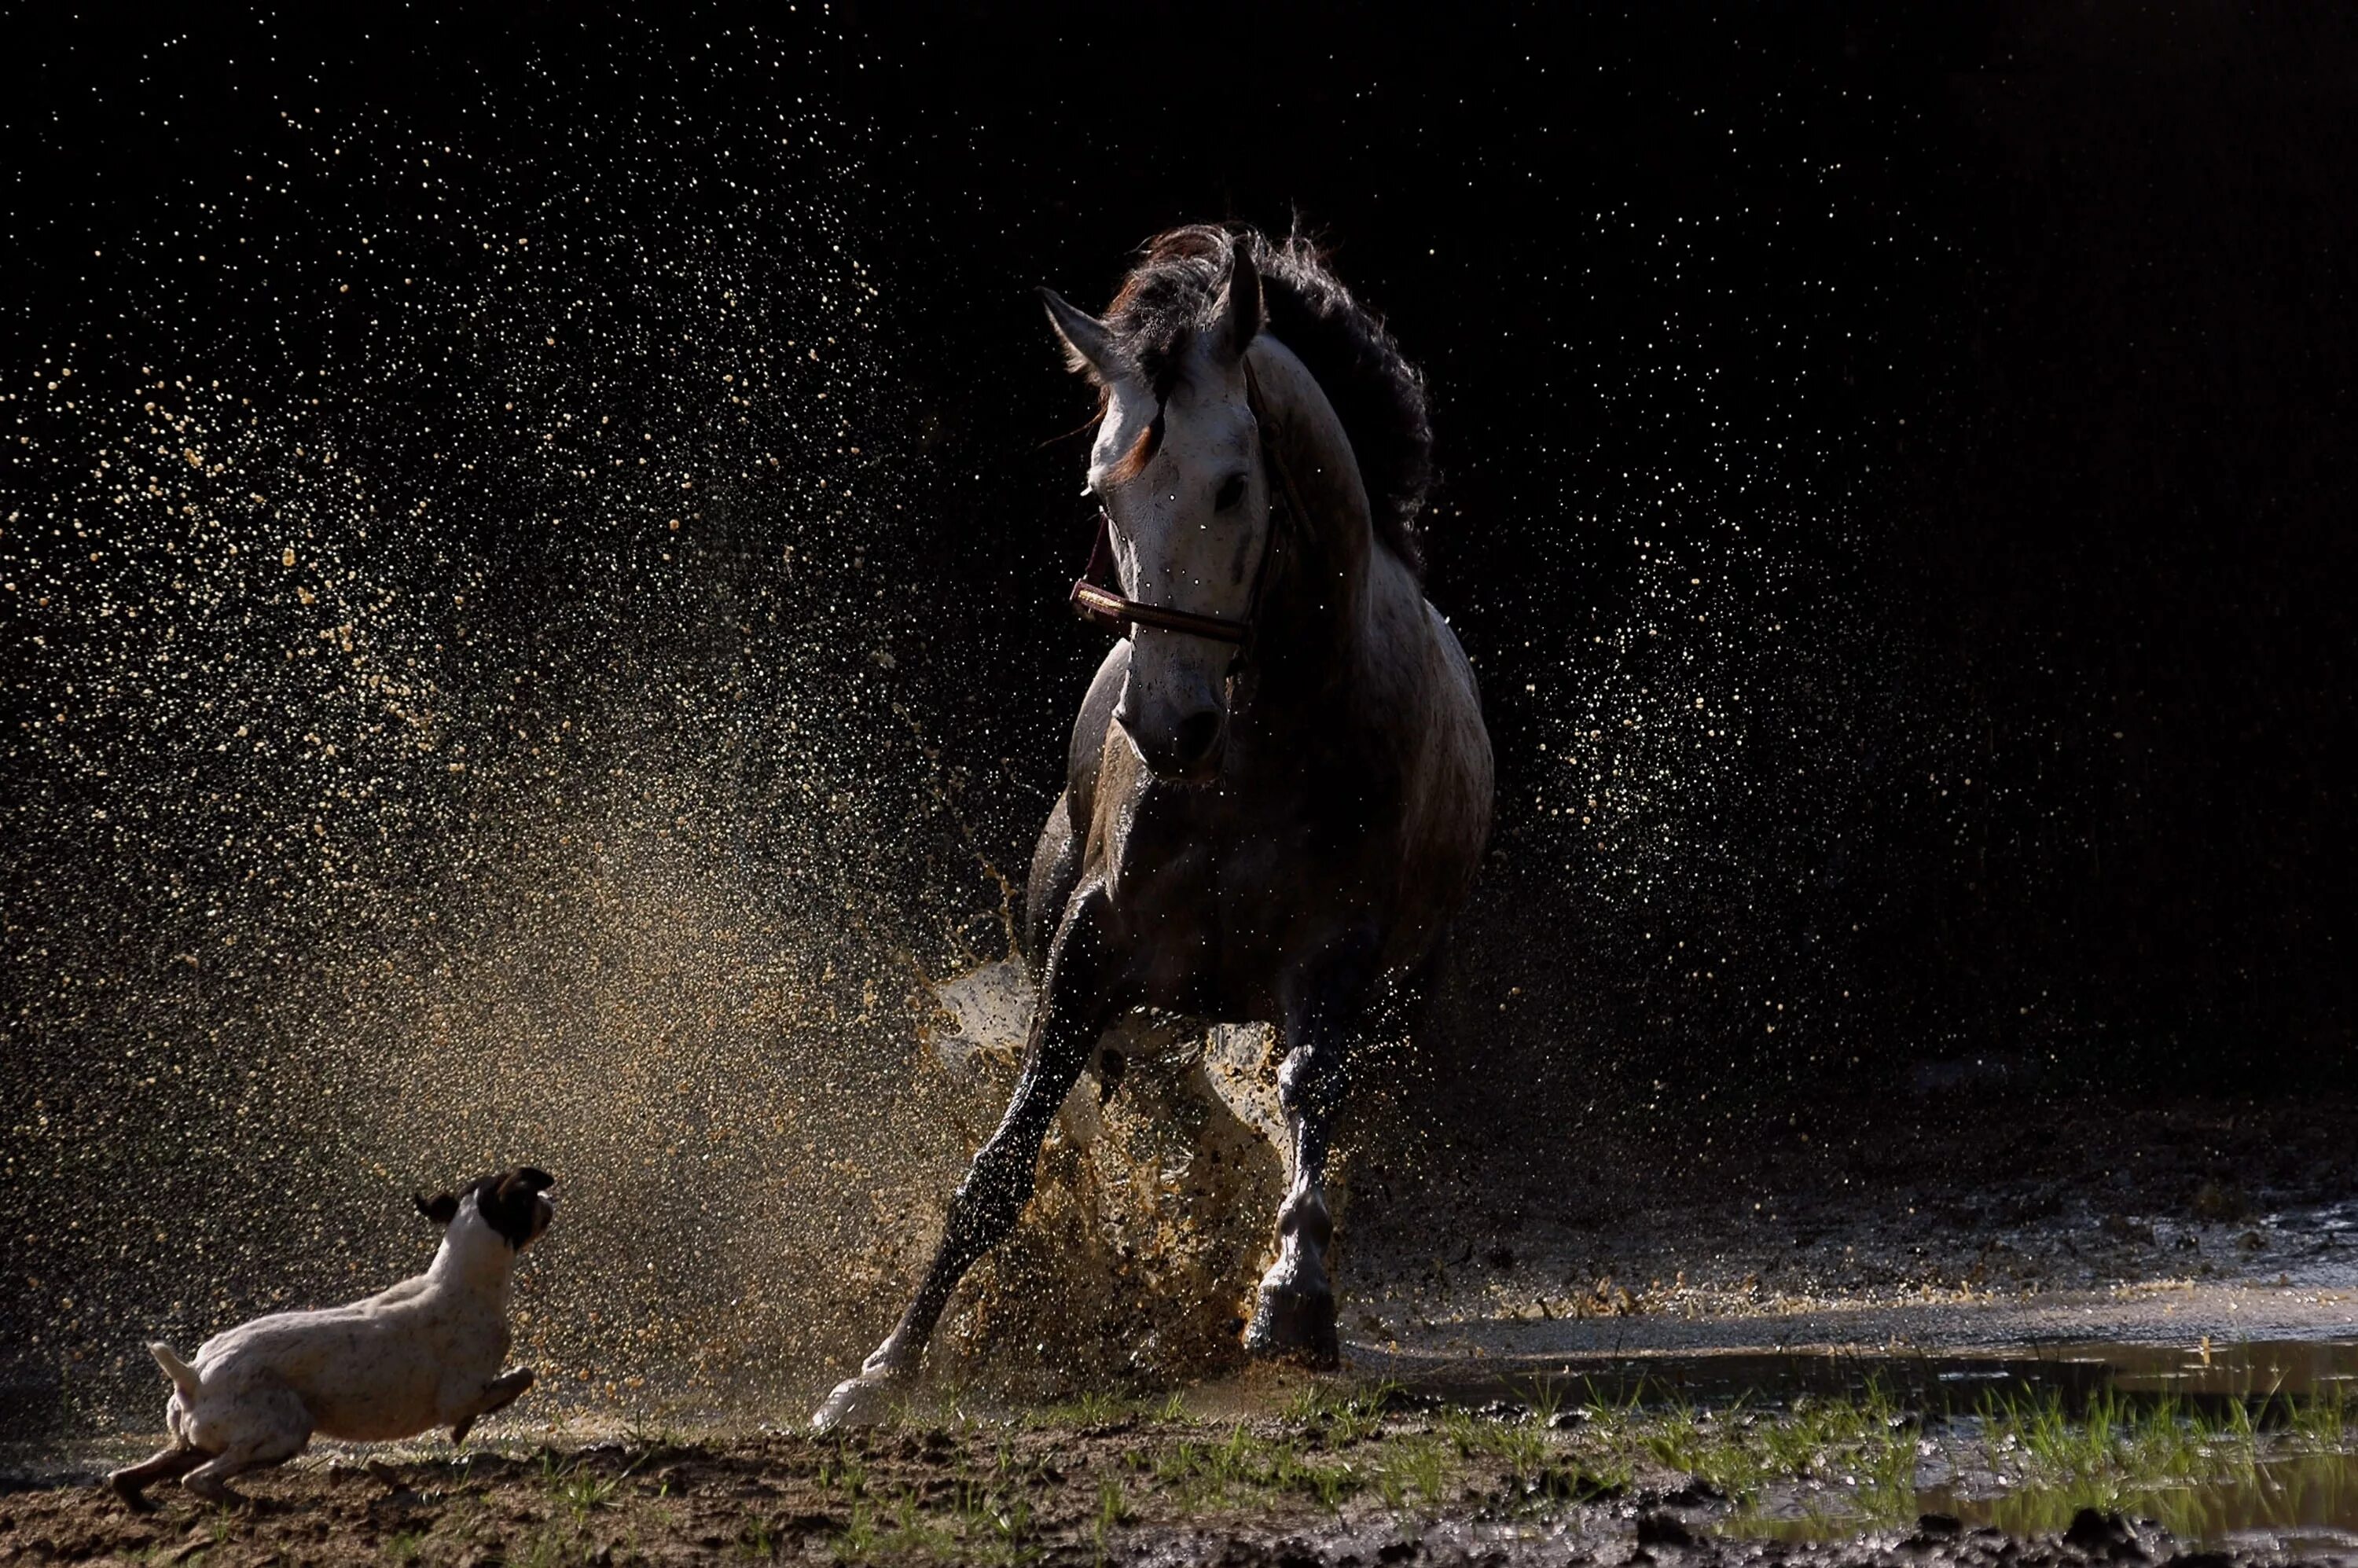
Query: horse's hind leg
x,y
1294,1315
1065,1027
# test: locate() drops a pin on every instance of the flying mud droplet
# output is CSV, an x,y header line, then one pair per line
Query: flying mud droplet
x,y
1137,1256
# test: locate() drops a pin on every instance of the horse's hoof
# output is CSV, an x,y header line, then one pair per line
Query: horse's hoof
x,y
1295,1325
864,1401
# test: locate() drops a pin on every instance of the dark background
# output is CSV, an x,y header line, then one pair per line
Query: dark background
x,y
534,545
1916,454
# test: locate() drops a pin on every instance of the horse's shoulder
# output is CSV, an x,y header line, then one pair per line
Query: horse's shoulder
x,y
1084,752
1452,650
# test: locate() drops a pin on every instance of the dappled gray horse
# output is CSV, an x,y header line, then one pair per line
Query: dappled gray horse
x,y
1280,783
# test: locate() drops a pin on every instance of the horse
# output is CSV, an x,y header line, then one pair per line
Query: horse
x,y
1279,785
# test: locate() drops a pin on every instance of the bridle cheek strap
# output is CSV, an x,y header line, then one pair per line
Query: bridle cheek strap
x,y
1109,608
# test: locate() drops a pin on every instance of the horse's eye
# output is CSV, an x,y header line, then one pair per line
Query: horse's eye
x,y
1232,491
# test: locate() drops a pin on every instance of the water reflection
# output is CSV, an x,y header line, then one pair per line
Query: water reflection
x,y
2218,1444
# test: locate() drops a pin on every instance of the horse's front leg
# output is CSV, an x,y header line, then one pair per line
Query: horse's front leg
x,y
1295,1314
1072,1010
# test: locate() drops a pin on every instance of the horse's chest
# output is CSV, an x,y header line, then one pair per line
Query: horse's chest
x,y
1216,885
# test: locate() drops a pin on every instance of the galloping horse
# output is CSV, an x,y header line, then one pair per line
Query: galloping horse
x,y
1280,783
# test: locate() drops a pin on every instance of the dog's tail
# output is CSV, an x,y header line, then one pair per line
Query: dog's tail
x,y
184,1377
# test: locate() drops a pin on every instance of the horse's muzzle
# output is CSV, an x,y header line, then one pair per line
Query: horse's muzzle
x,y
1187,752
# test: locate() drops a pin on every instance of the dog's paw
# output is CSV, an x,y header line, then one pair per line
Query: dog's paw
x,y
134,1499
864,1401
220,1494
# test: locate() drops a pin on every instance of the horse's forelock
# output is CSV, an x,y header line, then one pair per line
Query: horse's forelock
x,y
1141,451
1174,294
1168,299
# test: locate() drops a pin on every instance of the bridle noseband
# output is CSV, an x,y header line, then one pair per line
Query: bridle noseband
x,y
1094,601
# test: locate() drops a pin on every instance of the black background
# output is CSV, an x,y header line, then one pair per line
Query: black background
x,y
2018,341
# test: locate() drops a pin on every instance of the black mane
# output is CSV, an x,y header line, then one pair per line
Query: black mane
x,y
1174,293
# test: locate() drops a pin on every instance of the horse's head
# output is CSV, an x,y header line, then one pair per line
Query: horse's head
x,y
1177,468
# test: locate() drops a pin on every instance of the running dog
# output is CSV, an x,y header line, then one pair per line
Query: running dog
x,y
426,1353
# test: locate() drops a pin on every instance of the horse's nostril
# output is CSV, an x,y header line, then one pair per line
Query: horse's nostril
x,y
1197,732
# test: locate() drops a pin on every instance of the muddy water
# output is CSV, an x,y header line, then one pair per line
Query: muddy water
x,y
1926,1380
1134,1212
1152,1218
2304,1502
2282,1501
2253,1495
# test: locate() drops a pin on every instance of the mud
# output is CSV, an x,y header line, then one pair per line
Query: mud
x,y
1930,1217
2222,1270
1129,1490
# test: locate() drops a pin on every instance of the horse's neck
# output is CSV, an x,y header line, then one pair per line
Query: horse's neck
x,y
1329,534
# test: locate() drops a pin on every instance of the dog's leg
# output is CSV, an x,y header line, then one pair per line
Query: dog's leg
x,y
211,1479
498,1394
168,1465
271,1432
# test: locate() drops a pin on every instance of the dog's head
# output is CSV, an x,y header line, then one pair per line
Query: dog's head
x,y
514,1203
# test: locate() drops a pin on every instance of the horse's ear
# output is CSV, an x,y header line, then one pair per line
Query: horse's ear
x,y
1088,347
1240,317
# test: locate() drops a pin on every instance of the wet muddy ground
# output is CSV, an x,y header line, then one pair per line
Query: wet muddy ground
x,y
1935,1218
2010,1336
2037,1458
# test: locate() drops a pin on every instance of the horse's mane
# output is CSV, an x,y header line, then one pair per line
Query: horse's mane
x,y
1172,294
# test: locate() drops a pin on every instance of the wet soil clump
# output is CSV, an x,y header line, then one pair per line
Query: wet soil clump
x,y
1349,1482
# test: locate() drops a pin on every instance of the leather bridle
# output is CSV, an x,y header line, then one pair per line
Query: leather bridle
x,y
1094,600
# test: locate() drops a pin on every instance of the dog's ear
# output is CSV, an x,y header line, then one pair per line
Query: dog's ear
x,y
510,1202
531,1178
441,1209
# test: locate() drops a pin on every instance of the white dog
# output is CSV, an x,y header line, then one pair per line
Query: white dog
x,y
424,1354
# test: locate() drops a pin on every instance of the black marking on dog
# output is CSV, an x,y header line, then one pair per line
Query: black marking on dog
x,y
509,1202
441,1209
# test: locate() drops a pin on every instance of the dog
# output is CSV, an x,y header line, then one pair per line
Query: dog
x,y
425,1353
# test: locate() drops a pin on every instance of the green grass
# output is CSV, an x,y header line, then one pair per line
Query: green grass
x,y
2323,1423
578,1488
1412,1473
1247,1465
2111,1449
982,1523
2200,1468
1828,1464
1114,1511
1855,1457
1096,1408
1340,1413
1091,1409
840,1472
1864,1444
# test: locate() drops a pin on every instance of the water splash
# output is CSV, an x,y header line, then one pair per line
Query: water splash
x,y
457,731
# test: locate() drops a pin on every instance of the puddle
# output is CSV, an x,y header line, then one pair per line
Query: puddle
x,y
1929,1381
2205,1441
2290,1502
2307,1502
2244,1446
